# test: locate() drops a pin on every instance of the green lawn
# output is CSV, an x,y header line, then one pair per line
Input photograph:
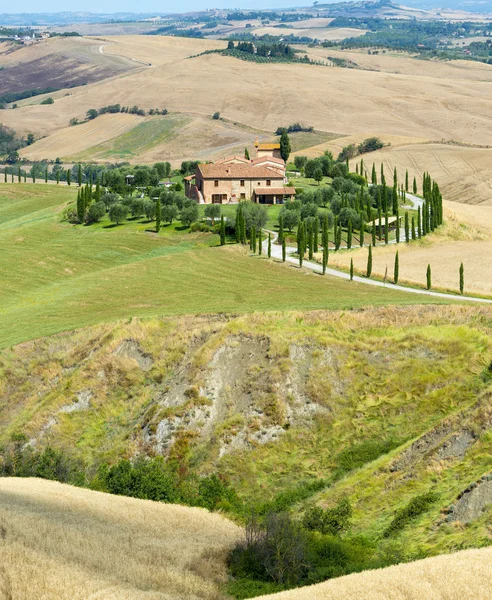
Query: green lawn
x,y
55,276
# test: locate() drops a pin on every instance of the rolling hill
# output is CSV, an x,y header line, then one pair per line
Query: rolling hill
x,y
67,543
425,102
451,577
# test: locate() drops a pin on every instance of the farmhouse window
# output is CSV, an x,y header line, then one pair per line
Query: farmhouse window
x,y
243,196
241,183
269,182
216,183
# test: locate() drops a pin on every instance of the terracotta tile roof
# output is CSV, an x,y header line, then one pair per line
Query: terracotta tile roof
x,y
268,146
264,159
277,191
233,171
231,158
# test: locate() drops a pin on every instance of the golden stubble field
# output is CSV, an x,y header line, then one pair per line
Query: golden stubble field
x,y
466,574
58,542
436,102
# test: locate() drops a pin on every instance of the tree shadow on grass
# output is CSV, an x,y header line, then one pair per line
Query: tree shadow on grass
x,y
112,225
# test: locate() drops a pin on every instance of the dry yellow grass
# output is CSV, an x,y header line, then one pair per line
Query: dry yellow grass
x,y
466,574
63,543
465,237
427,104
464,173
73,140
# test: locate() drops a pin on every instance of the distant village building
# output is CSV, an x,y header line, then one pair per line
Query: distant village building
x,y
267,150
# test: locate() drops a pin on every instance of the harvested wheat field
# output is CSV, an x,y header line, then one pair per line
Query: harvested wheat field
x,y
73,140
460,576
58,542
426,105
464,173
466,237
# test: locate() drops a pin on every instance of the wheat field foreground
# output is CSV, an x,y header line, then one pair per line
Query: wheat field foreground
x,y
460,576
58,542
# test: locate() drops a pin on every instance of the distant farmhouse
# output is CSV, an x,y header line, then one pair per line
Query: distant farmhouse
x,y
233,179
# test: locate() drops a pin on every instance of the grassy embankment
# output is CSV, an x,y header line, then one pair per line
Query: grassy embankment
x,y
56,276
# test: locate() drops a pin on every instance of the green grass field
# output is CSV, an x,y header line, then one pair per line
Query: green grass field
x,y
55,276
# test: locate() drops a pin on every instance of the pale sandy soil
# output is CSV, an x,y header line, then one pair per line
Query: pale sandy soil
x,y
65,543
465,574
465,238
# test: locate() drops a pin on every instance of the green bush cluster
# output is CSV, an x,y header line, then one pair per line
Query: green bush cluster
x,y
416,507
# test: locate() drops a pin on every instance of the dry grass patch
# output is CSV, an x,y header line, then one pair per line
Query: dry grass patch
x,y
63,543
465,574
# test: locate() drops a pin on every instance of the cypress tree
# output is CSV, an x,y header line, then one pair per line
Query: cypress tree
x,y
243,228
280,229
253,239
246,154
383,179
380,225
5,174
407,228
269,245
222,231
351,269
413,228
397,269
158,216
237,225
19,174
68,176
357,168
58,177
395,200
80,206
395,178
284,251
419,223
374,178
46,175
429,280
325,259
369,262
373,234
362,229
79,175
260,242
462,278
309,240
33,177
349,234
397,230
386,228
315,235
414,185
406,180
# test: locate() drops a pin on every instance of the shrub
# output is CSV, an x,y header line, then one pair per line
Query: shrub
x,y
333,521
149,209
189,213
48,101
370,145
416,507
109,199
137,207
118,213
216,116
360,454
96,211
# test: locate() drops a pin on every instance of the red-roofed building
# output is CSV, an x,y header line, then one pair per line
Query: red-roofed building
x,y
234,179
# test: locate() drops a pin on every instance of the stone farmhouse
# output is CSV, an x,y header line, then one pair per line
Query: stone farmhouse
x,y
236,178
